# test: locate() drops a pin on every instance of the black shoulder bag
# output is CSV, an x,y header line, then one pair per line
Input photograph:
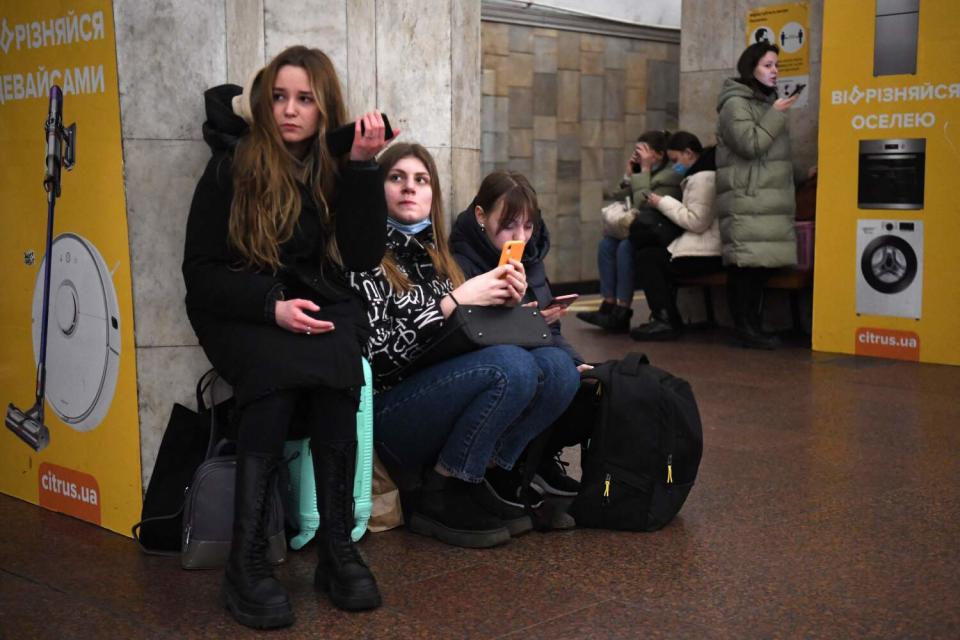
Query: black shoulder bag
x,y
472,327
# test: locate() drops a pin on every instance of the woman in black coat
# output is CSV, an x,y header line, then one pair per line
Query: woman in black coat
x,y
274,222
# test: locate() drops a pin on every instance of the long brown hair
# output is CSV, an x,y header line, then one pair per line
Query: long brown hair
x,y
439,251
519,198
266,197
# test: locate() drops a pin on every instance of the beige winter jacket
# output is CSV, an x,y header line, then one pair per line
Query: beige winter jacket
x,y
695,214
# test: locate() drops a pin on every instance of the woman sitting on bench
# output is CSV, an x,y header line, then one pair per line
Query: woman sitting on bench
x,y
694,253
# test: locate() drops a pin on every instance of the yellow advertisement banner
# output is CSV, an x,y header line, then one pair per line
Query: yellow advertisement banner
x,y
888,216
77,450
787,26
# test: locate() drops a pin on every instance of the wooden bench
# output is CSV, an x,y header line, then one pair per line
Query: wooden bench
x,y
792,280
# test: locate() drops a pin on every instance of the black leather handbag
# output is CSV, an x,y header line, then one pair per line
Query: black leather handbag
x,y
472,327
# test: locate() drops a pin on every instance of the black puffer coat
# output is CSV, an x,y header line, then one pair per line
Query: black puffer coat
x,y
475,254
231,307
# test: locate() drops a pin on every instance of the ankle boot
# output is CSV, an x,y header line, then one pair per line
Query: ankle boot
x,y
341,571
659,328
254,597
596,317
447,511
618,321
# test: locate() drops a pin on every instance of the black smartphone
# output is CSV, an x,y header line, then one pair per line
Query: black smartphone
x,y
797,89
340,140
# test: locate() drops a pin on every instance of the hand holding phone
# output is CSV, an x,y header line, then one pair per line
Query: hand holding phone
x,y
562,301
512,250
796,90
340,140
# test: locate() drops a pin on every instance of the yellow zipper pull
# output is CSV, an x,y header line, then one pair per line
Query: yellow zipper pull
x,y
606,489
670,468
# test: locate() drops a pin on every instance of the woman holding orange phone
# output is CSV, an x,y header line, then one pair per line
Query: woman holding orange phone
x,y
442,431
505,216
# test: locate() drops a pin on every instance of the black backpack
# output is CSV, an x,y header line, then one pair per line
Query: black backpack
x,y
643,456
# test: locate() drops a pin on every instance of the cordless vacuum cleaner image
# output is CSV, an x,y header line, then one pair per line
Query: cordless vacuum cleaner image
x,y
60,152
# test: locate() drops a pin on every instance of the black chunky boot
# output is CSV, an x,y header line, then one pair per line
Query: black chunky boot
x,y
597,317
341,571
254,597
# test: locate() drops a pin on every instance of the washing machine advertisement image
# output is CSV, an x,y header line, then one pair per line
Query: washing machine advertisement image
x,y
889,268
888,224
68,384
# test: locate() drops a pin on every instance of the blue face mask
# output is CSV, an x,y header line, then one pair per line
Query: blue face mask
x,y
680,168
409,229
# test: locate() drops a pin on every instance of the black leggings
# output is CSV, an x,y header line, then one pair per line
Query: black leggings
x,y
330,415
656,273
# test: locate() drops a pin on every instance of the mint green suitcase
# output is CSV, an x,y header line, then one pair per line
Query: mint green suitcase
x,y
302,498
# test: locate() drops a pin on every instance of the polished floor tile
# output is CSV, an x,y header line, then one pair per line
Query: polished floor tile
x,y
827,506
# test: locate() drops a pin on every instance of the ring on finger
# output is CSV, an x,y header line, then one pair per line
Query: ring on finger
x,y
308,331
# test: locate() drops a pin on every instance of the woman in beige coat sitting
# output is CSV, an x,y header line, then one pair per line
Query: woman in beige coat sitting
x,y
695,252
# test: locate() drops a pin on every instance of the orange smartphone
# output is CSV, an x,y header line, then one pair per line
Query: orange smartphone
x,y
512,250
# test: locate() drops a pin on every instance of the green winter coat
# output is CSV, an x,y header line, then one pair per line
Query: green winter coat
x,y
755,198
665,182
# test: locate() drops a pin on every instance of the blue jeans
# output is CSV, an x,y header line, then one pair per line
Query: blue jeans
x,y
615,263
483,406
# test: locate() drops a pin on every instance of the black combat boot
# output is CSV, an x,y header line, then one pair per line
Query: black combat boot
x,y
251,593
341,571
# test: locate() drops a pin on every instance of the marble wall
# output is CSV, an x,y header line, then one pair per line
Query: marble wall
x,y
564,108
418,63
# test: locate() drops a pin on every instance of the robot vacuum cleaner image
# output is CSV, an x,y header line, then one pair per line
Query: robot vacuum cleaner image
x,y
890,268
83,332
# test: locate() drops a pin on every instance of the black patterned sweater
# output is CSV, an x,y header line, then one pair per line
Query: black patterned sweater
x,y
401,323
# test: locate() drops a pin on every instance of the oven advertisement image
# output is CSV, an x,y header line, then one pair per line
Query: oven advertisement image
x,y
885,281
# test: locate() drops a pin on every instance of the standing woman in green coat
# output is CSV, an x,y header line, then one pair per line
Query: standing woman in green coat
x,y
755,196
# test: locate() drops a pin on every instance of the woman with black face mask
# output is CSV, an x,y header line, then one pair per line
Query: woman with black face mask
x,y
755,193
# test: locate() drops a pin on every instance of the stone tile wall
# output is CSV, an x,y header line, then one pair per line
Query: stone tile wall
x,y
564,109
